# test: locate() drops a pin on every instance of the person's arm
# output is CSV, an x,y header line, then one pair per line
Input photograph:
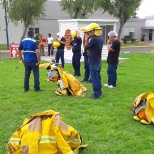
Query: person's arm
x,y
20,56
61,41
38,57
109,47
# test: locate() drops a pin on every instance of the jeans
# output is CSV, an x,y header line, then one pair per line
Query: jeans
x,y
112,74
87,69
28,68
96,78
60,54
76,62
49,49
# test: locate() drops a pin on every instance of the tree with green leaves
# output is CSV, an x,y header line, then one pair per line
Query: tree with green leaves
x,y
25,11
121,9
78,8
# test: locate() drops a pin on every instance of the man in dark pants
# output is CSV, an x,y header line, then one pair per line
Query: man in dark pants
x,y
86,57
76,42
95,45
60,49
31,60
113,46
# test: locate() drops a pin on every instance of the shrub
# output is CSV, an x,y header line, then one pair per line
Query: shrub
x,y
125,40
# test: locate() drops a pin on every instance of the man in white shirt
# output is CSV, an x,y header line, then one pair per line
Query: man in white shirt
x,y
50,40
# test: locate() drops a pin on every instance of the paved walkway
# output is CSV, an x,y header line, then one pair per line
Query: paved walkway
x,y
68,54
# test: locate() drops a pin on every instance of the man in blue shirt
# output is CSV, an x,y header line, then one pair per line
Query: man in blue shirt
x,y
31,60
95,45
76,42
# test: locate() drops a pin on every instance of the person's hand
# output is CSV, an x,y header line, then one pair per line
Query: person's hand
x,y
108,41
38,63
21,60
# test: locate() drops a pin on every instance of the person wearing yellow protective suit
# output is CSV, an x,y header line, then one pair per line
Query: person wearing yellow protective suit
x,y
76,42
95,45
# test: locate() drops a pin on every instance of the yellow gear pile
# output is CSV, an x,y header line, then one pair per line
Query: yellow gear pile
x,y
143,107
67,83
45,133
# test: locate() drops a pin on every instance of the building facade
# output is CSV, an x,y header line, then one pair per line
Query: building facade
x,y
55,17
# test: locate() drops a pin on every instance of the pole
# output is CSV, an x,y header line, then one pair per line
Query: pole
x,y
6,23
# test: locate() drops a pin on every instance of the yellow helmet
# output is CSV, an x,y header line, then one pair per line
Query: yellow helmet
x,y
73,33
83,30
56,44
93,27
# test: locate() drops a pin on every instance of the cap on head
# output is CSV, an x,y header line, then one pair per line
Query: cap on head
x,y
112,33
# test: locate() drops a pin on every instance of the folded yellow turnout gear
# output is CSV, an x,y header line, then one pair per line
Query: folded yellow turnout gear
x,y
45,133
143,107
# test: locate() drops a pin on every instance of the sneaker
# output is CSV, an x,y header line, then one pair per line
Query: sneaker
x,y
110,86
106,85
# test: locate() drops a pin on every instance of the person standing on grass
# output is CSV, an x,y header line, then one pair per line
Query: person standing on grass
x,y
86,57
95,45
31,60
76,42
41,44
50,40
113,46
60,49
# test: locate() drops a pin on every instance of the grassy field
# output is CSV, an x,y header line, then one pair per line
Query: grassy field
x,y
106,124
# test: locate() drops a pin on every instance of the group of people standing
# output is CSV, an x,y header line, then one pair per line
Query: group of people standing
x,y
41,42
92,43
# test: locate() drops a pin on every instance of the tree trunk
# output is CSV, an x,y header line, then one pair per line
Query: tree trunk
x,y
24,33
120,28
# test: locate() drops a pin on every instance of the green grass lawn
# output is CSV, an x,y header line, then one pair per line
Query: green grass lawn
x,y
3,46
106,124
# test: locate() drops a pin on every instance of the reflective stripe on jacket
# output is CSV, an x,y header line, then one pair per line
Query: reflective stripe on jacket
x,y
45,133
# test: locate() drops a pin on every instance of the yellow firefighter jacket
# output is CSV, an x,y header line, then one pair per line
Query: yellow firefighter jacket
x,y
45,133
143,107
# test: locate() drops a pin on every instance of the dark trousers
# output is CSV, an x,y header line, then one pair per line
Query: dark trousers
x,y
49,49
28,68
76,62
96,78
87,69
60,54
112,74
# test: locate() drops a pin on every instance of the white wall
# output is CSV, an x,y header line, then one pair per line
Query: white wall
x,y
149,22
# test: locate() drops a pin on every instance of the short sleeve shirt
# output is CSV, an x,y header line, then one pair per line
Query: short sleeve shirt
x,y
113,55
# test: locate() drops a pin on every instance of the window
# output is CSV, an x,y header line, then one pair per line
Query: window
x,y
129,32
35,30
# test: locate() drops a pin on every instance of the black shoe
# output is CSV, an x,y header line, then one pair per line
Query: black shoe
x,y
84,80
88,81
76,74
94,97
26,90
38,90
